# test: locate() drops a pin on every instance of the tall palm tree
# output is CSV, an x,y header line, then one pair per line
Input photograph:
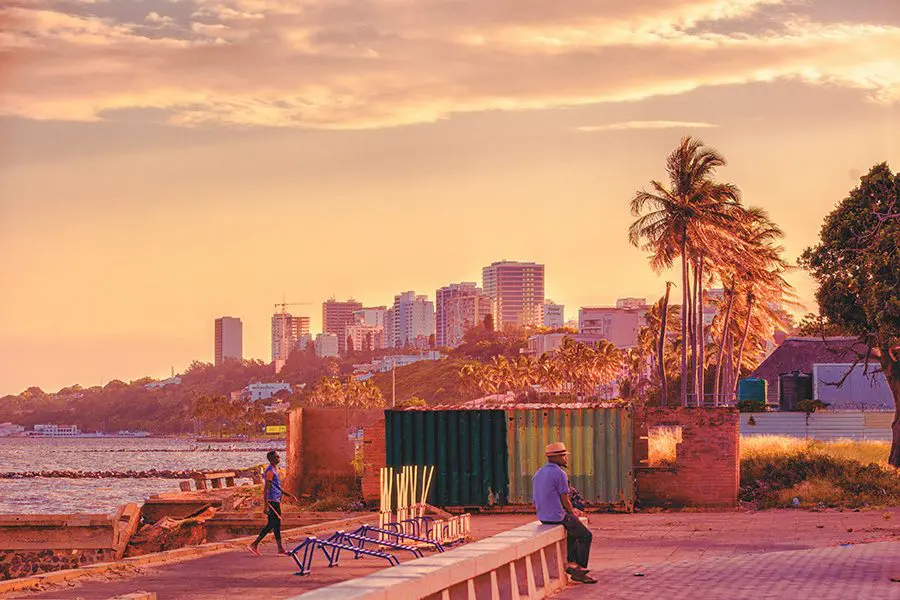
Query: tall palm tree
x,y
683,220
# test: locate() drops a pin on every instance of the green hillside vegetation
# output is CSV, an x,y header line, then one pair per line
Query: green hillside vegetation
x,y
434,381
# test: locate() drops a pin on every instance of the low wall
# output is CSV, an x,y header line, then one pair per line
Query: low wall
x,y
320,452
828,425
706,472
22,563
526,562
31,544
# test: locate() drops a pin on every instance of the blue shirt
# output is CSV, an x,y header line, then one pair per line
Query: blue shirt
x,y
275,492
549,483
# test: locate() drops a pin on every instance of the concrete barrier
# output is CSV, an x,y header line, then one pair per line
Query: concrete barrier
x,y
528,561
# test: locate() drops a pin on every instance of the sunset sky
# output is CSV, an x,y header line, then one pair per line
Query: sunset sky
x,y
165,162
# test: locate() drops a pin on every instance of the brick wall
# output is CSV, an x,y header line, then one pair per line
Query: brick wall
x,y
374,452
294,451
320,452
707,466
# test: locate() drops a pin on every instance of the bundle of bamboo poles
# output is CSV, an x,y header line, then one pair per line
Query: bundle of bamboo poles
x,y
404,493
404,497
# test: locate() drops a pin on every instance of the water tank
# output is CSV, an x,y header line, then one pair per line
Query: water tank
x,y
752,388
795,387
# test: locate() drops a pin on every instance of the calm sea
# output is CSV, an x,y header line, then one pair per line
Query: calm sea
x,y
63,495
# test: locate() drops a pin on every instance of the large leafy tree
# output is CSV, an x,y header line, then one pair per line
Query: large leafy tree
x,y
857,267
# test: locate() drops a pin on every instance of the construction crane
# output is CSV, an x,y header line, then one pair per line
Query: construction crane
x,y
284,305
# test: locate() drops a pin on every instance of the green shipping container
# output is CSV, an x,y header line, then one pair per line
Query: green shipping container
x,y
600,441
468,449
752,388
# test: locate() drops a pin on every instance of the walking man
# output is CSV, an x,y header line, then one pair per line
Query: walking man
x,y
272,494
554,507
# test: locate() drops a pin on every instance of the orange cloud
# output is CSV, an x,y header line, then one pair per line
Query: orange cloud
x,y
378,63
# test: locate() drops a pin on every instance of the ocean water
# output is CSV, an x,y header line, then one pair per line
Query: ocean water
x,y
104,495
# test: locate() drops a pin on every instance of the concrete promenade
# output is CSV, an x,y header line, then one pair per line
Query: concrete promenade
x,y
781,554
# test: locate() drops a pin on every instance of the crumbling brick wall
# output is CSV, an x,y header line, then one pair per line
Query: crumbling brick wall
x,y
706,472
374,452
319,450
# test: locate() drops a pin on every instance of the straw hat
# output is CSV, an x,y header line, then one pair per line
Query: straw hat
x,y
555,449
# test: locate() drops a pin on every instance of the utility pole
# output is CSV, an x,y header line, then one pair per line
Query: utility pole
x,y
393,382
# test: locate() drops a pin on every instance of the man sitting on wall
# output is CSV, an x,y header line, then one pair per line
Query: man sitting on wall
x,y
554,507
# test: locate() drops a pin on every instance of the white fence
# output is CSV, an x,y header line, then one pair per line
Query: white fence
x,y
851,424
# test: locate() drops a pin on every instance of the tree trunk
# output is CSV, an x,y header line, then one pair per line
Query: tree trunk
x,y
661,346
740,356
689,340
692,328
891,370
684,313
725,326
729,377
701,336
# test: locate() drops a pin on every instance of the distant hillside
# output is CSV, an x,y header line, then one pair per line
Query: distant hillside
x,y
436,382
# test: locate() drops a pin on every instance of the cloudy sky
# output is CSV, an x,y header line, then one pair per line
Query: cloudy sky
x,y
169,161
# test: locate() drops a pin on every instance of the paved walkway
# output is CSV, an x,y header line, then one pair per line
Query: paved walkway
x,y
834,573
235,574
782,554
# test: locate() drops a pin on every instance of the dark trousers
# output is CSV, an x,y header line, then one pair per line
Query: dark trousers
x,y
273,525
578,540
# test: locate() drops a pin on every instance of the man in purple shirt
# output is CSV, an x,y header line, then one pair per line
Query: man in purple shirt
x,y
554,507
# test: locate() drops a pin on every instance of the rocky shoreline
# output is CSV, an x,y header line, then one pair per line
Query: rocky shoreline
x,y
130,474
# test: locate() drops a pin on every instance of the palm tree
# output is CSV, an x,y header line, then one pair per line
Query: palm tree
x,y
684,220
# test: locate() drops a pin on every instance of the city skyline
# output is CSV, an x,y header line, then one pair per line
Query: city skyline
x,y
165,165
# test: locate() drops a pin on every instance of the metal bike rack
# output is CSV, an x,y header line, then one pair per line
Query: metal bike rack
x,y
348,539
332,551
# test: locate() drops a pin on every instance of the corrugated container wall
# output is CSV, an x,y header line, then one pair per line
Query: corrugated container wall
x,y
599,439
468,449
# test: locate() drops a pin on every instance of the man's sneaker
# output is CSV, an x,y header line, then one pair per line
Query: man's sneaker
x,y
575,571
252,550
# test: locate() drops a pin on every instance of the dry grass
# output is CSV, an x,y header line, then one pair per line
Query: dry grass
x,y
663,445
776,470
774,446
811,492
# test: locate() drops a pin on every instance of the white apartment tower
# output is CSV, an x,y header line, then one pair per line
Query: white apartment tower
x,y
517,289
412,320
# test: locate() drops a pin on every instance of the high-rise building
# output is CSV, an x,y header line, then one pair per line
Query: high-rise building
x,y
365,338
517,289
413,320
553,314
287,331
229,339
326,345
457,308
373,315
336,316
389,340
618,324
